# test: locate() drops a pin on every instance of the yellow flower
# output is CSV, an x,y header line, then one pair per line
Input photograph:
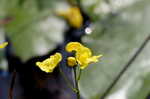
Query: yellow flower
x,y
83,54
3,45
71,61
49,64
73,16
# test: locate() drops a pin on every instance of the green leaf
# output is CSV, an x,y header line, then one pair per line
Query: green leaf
x,y
33,32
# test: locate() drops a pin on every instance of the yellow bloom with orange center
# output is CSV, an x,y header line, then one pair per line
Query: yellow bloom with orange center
x,y
3,45
49,64
73,16
71,61
83,54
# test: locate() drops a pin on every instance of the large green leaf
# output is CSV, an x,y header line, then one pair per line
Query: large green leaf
x,y
123,35
33,32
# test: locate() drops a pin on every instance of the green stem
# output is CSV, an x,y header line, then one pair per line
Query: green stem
x,y
76,83
67,81
79,76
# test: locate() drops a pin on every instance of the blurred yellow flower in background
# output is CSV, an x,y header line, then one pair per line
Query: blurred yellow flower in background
x,y
83,54
73,16
71,61
3,45
48,65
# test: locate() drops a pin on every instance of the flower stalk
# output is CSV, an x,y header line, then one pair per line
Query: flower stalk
x,y
67,81
79,76
82,58
76,82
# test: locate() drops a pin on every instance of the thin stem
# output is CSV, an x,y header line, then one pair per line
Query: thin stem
x,y
12,85
67,81
76,83
126,67
79,76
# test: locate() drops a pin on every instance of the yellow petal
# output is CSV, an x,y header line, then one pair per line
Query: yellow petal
x,y
73,16
45,66
64,14
89,60
56,58
73,46
71,61
82,55
3,45
49,64
94,59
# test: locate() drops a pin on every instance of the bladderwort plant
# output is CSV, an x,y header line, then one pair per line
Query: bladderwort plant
x,y
82,58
